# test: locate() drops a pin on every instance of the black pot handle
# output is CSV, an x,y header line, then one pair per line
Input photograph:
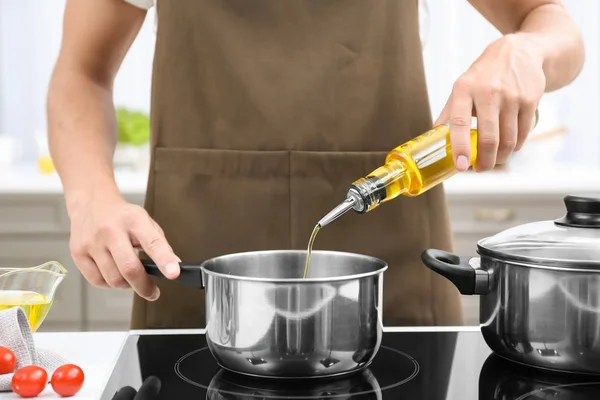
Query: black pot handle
x,y
189,275
456,270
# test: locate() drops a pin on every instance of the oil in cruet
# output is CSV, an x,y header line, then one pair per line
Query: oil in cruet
x,y
409,170
35,305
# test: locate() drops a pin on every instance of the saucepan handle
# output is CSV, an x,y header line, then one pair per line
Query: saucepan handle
x,y
458,271
189,275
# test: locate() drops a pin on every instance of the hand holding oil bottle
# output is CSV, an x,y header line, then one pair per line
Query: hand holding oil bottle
x,y
502,88
489,114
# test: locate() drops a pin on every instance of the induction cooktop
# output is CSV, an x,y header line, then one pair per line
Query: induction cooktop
x,y
420,364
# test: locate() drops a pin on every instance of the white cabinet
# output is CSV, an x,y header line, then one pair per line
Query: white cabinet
x,y
107,309
34,228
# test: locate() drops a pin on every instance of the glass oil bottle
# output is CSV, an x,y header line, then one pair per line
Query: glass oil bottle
x,y
409,170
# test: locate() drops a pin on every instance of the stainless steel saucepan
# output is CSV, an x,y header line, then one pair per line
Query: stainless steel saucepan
x,y
264,319
539,288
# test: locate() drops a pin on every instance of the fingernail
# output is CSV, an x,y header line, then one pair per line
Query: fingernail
x,y
172,269
155,295
462,163
178,259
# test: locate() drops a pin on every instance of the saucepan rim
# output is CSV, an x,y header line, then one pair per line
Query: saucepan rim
x,y
363,257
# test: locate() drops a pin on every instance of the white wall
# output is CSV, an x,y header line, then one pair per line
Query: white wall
x,y
30,32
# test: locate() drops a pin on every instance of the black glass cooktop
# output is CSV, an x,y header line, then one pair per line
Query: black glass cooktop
x,y
410,365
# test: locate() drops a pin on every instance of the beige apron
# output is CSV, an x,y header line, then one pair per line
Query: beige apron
x,y
263,112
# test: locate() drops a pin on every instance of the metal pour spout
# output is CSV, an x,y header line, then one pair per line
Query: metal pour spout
x,y
337,212
353,202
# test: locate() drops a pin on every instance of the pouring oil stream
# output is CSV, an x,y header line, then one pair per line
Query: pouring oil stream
x,y
334,214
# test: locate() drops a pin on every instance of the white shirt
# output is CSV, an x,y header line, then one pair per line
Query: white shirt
x,y
423,14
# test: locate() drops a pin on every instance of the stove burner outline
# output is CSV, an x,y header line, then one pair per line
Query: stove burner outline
x,y
414,373
542,390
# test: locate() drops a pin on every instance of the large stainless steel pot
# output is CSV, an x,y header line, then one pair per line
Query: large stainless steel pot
x,y
539,288
500,379
264,319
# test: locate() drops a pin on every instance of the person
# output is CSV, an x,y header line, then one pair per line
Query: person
x,y
262,112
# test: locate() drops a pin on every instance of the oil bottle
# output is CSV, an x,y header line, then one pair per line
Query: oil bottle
x,y
409,170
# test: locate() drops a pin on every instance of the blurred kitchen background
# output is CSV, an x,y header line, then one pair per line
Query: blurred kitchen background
x,y
561,157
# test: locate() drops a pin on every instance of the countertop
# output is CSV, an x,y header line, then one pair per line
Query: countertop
x,y
97,352
544,180
94,352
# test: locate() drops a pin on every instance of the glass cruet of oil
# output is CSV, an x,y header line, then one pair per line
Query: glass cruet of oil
x,y
31,288
409,170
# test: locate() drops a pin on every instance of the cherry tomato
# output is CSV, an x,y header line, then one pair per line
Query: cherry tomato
x,y
29,381
8,361
67,380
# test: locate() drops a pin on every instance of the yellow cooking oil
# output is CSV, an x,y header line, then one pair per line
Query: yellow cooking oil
x,y
311,241
35,305
416,166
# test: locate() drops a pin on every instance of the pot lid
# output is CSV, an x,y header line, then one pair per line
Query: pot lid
x,y
572,241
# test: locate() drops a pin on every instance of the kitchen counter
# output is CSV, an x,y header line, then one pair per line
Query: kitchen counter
x,y
28,180
97,352
542,181
94,352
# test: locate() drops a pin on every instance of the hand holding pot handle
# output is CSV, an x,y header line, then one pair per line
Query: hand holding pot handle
x,y
458,271
190,274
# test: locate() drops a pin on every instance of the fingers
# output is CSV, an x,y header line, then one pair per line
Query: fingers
x,y
103,242
154,244
525,119
509,129
89,270
111,274
461,110
487,104
125,393
160,230
149,389
504,120
130,269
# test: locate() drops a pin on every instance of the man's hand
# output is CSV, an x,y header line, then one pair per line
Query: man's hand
x,y
502,88
541,52
104,235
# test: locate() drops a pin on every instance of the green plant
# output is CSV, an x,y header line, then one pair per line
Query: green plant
x,y
133,126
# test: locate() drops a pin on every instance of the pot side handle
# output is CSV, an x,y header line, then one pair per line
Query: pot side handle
x,y
189,275
458,271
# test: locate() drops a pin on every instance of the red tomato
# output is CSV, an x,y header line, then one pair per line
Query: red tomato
x,y
8,361
67,380
29,381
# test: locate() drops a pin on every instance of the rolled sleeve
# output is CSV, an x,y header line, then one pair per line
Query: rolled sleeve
x,y
145,4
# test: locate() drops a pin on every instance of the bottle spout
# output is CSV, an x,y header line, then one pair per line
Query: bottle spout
x,y
338,211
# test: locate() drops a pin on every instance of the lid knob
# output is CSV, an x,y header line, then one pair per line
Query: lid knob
x,y
582,212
